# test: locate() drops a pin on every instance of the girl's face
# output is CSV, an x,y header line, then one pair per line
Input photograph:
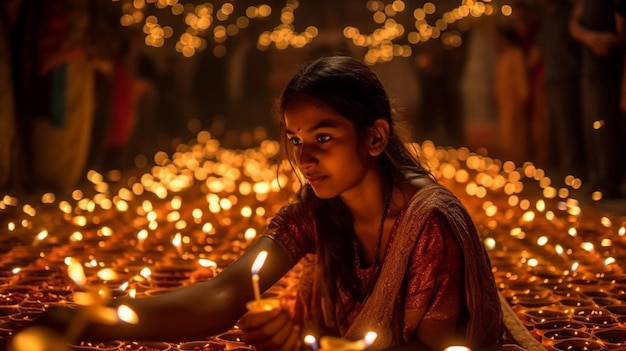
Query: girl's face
x,y
326,149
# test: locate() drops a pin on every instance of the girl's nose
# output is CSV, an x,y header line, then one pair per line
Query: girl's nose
x,y
306,156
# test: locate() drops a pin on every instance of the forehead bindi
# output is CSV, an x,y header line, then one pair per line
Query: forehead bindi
x,y
312,128
310,118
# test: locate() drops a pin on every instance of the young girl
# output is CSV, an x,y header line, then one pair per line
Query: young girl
x,y
385,247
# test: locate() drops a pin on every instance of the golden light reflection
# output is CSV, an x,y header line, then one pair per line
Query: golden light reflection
x,y
529,230
210,24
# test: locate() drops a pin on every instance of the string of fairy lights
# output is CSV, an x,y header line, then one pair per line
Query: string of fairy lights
x,y
217,23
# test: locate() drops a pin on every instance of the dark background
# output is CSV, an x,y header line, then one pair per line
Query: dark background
x,y
444,88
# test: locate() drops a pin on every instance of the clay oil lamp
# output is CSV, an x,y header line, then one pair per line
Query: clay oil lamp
x,y
93,346
611,337
550,337
260,304
207,345
146,346
541,328
541,315
578,344
341,344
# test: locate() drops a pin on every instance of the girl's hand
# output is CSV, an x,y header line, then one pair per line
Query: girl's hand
x,y
270,330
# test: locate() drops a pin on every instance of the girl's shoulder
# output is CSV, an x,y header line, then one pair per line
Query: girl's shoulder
x,y
419,183
417,186
426,193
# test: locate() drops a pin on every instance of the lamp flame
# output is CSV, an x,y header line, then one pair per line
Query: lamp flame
x,y
310,340
177,242
127,314
75,271
369,338
256,268
259,262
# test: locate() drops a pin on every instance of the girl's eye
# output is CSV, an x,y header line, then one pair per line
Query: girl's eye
x,y
295,141
323,138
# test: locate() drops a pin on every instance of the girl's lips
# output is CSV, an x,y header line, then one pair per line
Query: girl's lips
x,y
313,180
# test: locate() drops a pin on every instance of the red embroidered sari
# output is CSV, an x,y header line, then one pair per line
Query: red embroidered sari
x,y
435,261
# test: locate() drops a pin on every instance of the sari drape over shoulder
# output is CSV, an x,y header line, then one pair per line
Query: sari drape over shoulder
x,y
381,311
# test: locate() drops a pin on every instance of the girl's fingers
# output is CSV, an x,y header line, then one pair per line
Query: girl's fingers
x,y
254,320
293,341
273,335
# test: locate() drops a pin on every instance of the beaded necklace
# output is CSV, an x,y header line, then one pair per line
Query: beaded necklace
x,y
366,284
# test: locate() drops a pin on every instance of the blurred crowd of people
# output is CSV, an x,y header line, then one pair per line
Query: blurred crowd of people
x,y
70,91
81,92
78,91
545,84
558,85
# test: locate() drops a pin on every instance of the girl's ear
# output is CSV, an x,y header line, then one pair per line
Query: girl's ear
x,y
377,137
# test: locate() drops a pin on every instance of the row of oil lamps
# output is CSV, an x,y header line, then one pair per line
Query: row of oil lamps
x,y
554,258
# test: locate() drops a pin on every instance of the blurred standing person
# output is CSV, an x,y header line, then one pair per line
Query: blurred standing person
x,y
560,55
209,90
511,93
105,32
526,21
439,65
169,100
599,26
125,94
55,91
479,110
439,70
146,131
246,83
8,135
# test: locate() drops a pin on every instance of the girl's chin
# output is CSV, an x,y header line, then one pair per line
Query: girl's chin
x,y
323,194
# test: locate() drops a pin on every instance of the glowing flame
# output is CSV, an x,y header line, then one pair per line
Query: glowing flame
x,y
76,236
259,262
246,211
542,240
310,340
207,263
142,235
85,298
75,271
127,314
250,234
490,243
559,249
572,232
177,242
587,246
146,273
42,235
107,274
528,216
369,338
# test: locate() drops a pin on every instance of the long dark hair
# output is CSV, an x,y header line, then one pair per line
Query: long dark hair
x,y
351,89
